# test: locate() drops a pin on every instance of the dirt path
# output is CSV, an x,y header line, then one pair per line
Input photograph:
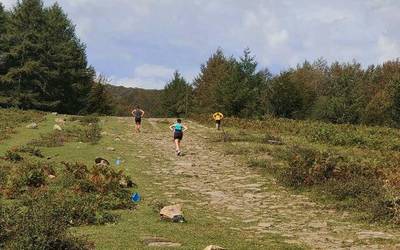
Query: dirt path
x,y
222,184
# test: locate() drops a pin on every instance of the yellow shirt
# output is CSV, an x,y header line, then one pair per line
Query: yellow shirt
x,y
218,116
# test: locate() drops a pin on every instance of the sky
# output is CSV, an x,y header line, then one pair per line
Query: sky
x,y
140,43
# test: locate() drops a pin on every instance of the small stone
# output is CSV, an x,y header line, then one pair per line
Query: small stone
x,y
101,161
160,242
111,149
57,127
33,125
51,176
274,142
172,213
214,247
60,121
164,244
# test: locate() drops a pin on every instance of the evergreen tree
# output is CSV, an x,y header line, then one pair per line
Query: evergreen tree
x,y
99,100
241,91
72,78
207,94
176,96
45,63
3,48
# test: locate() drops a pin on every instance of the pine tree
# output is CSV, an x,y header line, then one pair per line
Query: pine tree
x,y
72,78
207,94
45,63
99,100
176,96
3,48
25,71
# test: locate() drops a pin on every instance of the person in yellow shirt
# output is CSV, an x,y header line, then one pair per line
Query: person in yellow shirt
x,y
218,116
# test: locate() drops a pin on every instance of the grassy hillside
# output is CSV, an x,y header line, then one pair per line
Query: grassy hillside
x,y
351,167
50,179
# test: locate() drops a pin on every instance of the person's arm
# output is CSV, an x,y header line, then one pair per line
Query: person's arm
x,y
133,112
222,116
184,128
172,127
142,112
214,115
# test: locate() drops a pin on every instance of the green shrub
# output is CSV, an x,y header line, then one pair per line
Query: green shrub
x,y
33,151
53,139
91,133
35,227
13,156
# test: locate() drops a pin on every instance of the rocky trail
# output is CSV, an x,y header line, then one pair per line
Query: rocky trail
x,y
234,192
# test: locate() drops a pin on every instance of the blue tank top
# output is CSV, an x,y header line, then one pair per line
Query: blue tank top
x,y
178,127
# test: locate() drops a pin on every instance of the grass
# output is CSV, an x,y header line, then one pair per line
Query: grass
x,y
134,226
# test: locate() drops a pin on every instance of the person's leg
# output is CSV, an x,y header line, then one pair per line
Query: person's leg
x,y
177,148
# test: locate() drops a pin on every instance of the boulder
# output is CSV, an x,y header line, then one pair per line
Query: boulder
x,y
111,149
172,213
214,247
33,125
57,127
101,161
60,121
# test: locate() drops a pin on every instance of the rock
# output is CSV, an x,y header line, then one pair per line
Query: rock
x,y
57,127
172,213
33,125
101,161
274,142
214,247
164,244
54,113
111,149
60,121
51,176
117,139
104,133
160,242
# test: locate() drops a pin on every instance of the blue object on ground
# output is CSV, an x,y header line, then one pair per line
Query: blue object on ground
x,y
118,162
135,197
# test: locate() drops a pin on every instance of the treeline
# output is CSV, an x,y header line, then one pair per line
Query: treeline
x,y
43,64
123,100
337,93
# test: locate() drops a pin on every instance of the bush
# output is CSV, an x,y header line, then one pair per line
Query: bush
x,y
33,151
35,227
53,139
91,133
13,156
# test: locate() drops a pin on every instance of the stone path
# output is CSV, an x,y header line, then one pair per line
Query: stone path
x,y
222,184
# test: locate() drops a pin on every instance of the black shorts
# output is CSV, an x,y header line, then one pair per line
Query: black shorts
x,y
178,135
138,120
218,122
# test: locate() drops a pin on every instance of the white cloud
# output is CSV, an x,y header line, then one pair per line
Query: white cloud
x,y
155,37
146,76
388,49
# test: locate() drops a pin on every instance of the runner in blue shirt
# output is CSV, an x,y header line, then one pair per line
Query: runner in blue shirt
x,y
178,128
